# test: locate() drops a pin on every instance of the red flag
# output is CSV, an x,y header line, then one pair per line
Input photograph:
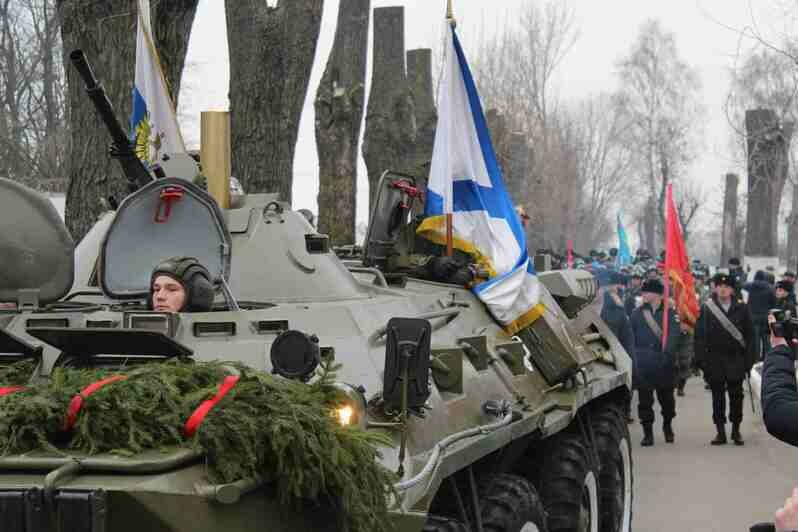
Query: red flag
x,y
678,275
570,254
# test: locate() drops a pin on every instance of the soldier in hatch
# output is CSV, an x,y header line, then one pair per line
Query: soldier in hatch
x,y
180,284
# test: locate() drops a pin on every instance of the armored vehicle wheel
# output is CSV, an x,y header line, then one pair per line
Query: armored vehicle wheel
x,y
569,485
615,465
443,524
509,503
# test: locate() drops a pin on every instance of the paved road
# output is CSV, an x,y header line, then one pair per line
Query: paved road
x,y
691,486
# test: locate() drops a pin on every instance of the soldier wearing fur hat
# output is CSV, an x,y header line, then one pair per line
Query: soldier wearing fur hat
x,y
784,290
614,314
654,364
181,284
724,350
633,291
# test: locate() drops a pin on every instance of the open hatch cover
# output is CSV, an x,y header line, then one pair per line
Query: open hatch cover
x,y
36,250
167,218
101,341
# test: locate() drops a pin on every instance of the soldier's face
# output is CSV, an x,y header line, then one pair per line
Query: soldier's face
x,y
651,298
725,291
167,294
781,293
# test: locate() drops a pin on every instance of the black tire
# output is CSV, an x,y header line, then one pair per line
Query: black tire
x,y
509,503
437,523
568,485
616,478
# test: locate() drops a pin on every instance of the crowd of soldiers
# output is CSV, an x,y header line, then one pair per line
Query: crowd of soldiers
x,y
730,334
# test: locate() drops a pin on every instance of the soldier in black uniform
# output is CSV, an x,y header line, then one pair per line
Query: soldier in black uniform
x,y
654,366
724,350
737,273
614,314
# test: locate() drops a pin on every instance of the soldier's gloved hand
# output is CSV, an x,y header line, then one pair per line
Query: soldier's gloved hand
x,y
441,268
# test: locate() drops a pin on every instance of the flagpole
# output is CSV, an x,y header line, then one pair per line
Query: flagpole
x,y
449,223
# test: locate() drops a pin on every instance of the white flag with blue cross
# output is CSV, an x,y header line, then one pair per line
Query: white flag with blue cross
x,y
466,182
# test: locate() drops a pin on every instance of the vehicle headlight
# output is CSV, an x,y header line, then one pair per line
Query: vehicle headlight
x,y
350,411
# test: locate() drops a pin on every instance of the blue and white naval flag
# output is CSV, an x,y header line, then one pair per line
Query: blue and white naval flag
x,y
465,181
153,122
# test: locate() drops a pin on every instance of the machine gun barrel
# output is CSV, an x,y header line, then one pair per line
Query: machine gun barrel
x,y
121,147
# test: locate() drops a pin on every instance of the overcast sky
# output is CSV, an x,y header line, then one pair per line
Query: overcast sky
x,y
607,30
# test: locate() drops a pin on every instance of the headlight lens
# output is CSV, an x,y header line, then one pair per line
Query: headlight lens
x,y
351,410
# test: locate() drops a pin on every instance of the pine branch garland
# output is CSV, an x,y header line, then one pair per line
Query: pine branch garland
x,y
283,431
17,373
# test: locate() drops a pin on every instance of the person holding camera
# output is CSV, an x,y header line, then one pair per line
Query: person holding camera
x,y
724,351
779,390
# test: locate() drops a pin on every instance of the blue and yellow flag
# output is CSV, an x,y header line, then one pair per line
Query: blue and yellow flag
x,y
624,253
153,122
466,182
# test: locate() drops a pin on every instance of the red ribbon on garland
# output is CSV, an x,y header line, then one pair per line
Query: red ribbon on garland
x,y
77,402
8,390
198,416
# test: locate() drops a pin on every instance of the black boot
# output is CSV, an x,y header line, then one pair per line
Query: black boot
x,y
720,438
667,429
648,435
736,437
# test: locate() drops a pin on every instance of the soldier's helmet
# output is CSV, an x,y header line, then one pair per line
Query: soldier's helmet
x,y
193,277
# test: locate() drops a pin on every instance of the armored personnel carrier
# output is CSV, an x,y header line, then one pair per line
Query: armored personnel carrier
x,y
491,432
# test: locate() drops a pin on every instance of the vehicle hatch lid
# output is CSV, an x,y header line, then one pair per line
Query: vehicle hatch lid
x,y
168,217
37,252
392,208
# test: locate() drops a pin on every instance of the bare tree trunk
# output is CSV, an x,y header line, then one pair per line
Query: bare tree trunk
x,y
650,226
390,118
171,26
49,73
782,172
499,135
419,76
792,232
103,30
339,112
517,170
765,151
271,57
728,244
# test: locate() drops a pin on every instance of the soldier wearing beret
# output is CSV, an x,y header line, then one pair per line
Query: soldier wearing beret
x,y
654,364
724,350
